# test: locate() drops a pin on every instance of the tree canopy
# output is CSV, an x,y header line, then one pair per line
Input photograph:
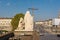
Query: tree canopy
x,y
15,20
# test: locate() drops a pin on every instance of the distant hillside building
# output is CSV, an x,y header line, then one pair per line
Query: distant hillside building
x,y
45,22
48,22
39,22
56,25
56,21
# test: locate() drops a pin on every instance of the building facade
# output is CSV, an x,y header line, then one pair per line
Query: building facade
x,y
5,24
45,25
45,22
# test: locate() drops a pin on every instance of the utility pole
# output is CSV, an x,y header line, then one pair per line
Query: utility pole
x,y
33,9
35,33
59,14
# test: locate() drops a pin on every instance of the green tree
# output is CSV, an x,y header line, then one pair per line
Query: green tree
x,y
15,20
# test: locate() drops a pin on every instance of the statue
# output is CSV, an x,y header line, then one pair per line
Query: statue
x,y
28,19
20,25
26,24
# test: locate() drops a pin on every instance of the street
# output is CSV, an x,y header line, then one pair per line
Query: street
x,y
44,35
49,37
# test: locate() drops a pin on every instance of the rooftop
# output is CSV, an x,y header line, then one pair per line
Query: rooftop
x,y
5,18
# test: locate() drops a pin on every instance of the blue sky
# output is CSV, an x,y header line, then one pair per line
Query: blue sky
x,y
46,8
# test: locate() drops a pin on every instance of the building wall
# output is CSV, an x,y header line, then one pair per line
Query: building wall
x,y
56,21
48,22
39,22
5,24
45,25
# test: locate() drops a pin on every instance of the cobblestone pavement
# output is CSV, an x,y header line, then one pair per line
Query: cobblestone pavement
x,y
49,37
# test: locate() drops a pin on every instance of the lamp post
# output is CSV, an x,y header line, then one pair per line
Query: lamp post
x,y
35,33
32,10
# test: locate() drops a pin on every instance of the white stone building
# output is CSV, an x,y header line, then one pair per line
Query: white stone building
x,y
39,22
45,24
5,24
